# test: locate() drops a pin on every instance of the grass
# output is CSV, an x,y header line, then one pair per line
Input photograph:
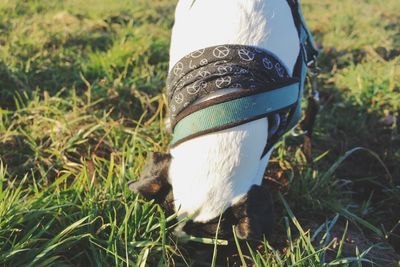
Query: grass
x,y
80,108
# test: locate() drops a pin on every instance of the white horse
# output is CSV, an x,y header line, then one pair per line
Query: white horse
x,y
214,171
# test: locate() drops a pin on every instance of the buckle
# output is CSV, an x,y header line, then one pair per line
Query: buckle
x,y
313,67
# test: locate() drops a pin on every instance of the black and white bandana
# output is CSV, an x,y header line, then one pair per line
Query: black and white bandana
x,y
220,67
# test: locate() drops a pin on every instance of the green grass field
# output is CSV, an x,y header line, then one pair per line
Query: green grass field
x,y
81,106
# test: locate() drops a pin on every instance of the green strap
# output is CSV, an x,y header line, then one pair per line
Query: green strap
x,y
235,112
296,116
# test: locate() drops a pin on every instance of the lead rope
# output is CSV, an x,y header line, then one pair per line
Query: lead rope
x,y
313,106
310,50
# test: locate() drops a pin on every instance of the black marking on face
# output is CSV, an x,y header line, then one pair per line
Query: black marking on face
x,y
253,217
153,182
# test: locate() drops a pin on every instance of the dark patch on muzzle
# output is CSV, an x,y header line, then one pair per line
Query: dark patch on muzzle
x,y
153,182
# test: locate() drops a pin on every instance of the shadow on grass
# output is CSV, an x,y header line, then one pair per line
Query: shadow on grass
x,y
17,155
344,123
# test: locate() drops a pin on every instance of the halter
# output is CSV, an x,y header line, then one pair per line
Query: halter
x,y
267,89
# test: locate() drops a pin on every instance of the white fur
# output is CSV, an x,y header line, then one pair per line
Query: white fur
x,y
212,172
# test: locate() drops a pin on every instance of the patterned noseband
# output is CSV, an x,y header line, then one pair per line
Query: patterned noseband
x,y
221,67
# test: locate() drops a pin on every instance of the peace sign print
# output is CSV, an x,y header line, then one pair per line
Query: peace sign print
x,y
179,98
219,67
224,69
236,85
178,68
195,87
203,73
189,76
197,53
221,51
223,82
203,62
279,69
242,71
267,63
246,55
